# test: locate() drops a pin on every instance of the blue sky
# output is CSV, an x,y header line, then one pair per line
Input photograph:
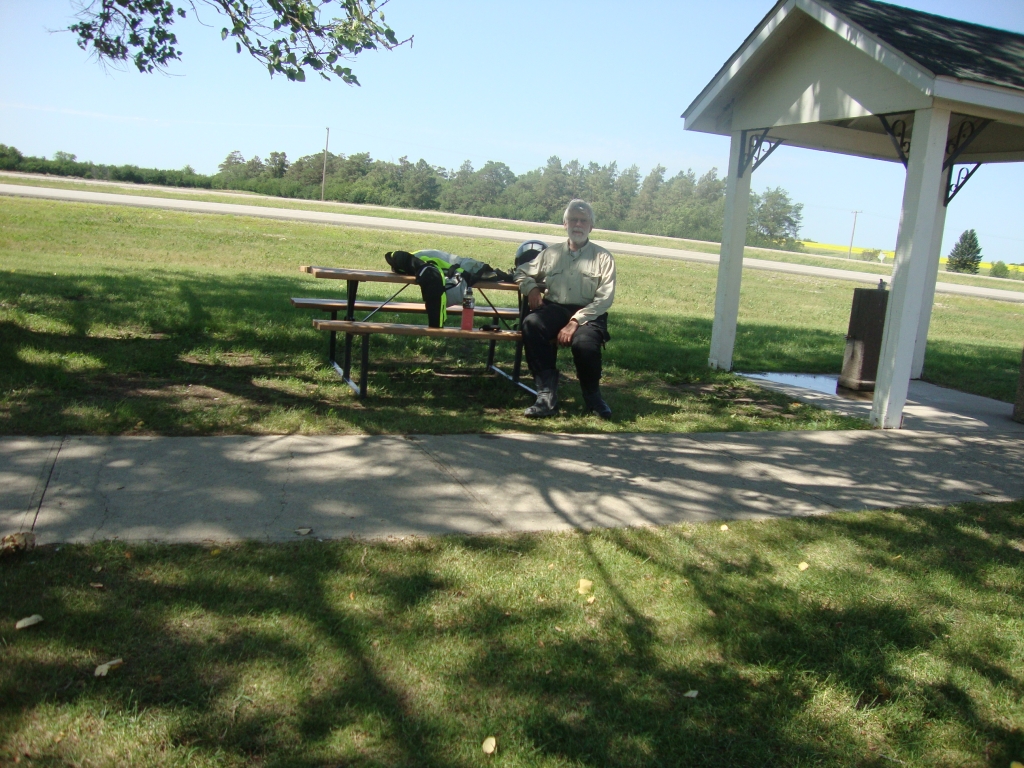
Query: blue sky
x,y
510,81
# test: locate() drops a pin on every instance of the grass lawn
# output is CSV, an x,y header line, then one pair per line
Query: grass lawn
x,y
125,321
812,257
902,643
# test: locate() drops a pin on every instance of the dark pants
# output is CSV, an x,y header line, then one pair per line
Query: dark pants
x,y
540,330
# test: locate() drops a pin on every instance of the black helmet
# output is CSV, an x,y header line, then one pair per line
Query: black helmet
x,y
528,251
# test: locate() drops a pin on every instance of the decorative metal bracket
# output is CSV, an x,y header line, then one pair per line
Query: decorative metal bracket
x,y
962,175
966,133
755,146
897,132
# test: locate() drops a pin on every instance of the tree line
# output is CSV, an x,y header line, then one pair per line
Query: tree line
x,y
66,164
684,205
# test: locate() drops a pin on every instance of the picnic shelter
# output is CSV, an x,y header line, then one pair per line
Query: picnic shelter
x,y
943,97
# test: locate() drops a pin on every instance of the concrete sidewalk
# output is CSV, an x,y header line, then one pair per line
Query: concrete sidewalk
x,y
85,489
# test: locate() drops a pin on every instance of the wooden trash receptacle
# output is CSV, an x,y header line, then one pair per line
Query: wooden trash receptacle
x,y
864,338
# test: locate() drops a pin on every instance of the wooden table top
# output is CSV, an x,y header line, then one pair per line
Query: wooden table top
x,y
373,276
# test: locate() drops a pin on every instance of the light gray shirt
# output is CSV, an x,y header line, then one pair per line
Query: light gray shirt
x,y
585,277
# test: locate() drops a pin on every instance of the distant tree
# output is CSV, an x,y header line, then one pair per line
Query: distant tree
x,y
64,157
456,194
999,269
552,190
774,219
254,167
646,207
283,35
966,254
277,165
421,186
10,157
232,162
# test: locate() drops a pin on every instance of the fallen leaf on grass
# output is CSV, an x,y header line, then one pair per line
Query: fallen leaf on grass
x,y
691,694
1016,764
490,745
17,542
303,531
214,552
803,566
559,629
724,527
102,669
551,566
97,569
585,586
127,555
591,599
351,595
95,585
31,621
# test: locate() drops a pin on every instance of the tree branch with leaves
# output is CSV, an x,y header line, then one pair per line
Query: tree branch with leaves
x,y
286,36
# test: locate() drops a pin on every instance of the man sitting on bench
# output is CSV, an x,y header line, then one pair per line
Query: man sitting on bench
x,y
569,287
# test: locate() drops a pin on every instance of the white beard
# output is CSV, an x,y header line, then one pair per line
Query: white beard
x,y
578,238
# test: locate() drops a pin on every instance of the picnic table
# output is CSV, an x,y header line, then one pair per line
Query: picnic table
x,y
352,327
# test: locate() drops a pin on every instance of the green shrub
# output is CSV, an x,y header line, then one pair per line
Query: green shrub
x,y
999,269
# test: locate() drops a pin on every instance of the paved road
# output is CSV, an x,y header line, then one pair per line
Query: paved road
x,y
458,230
85,489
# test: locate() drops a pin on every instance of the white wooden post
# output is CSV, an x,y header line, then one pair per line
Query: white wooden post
x,y
913,246
730,263
933,275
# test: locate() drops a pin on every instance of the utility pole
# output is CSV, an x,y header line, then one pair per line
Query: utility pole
x,y
323,179
849,253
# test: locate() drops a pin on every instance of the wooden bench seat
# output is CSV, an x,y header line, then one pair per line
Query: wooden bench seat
x,y
401,329
341,305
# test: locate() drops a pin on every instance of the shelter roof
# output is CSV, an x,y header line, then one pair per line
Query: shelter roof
x,y
835,74
942,45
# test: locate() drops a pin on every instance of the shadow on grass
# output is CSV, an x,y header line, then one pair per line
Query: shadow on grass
x,y
993,372
409,654
182,353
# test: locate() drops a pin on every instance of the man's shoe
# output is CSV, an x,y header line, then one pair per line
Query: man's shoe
x,y
595,404
547,396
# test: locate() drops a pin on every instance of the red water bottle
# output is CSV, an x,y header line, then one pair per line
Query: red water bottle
x,y
467,309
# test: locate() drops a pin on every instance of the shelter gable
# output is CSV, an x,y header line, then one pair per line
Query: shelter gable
x,y
820,77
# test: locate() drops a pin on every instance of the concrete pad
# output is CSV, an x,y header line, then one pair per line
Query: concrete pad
x,y
25,464
929,407
232,488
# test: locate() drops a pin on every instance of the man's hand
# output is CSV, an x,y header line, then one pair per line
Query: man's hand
x,y
534,298
565,335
